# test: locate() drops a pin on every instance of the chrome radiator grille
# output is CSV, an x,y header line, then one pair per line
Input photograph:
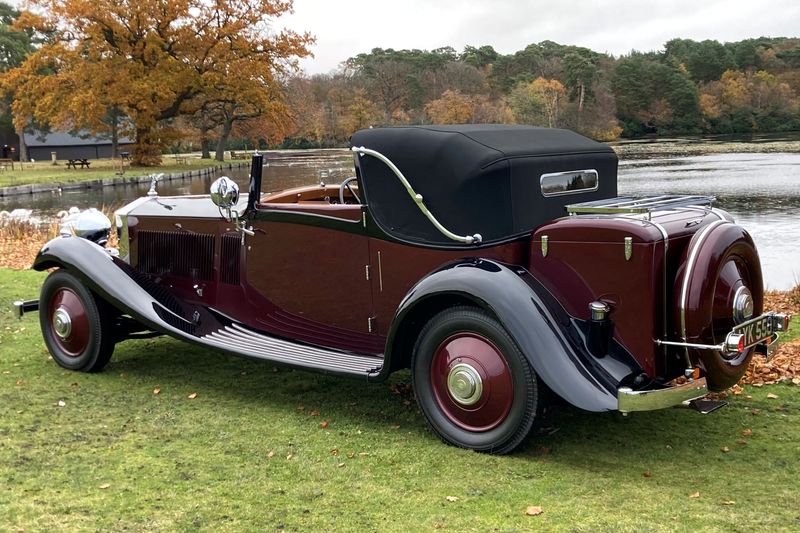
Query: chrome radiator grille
x,y
229,259
175,253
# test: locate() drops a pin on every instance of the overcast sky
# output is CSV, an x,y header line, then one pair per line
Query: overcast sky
x,y
345,28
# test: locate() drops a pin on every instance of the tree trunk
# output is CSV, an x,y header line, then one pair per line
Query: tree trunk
x,y
205,145
147,152
223,139
114,139
23,148
582,96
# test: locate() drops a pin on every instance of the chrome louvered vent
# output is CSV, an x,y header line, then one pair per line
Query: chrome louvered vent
x,y
173,253
229,259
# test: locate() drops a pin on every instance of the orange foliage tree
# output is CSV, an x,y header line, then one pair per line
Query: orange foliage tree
x,y
539,102
151,60
451,108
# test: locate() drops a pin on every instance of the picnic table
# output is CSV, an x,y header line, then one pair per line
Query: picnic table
x,y
84,163
5,162
181,159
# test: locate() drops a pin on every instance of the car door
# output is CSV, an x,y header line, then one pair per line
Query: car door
x,y
309,263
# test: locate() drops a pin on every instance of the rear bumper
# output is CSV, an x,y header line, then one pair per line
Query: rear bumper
x,y
650,400
20,307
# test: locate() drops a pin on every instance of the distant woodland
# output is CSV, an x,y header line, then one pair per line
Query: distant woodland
x,y
181,75
688,88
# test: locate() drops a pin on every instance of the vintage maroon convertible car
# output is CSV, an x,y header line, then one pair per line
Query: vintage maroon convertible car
x,y
496,262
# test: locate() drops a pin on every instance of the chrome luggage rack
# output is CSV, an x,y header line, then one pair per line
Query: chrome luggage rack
x,y
638,206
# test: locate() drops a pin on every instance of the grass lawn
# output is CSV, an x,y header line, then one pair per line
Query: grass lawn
x,y
45,172
267,449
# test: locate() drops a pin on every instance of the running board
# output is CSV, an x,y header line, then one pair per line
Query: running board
x,y
240,340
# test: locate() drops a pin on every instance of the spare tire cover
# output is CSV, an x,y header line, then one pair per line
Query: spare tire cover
x,y
719,260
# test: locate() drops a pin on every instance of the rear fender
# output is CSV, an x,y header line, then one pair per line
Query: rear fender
x,y
538,326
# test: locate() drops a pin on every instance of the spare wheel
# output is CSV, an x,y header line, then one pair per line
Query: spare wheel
x,y
719,285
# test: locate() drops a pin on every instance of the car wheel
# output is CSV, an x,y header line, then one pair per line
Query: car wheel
x,y
474,386
77,327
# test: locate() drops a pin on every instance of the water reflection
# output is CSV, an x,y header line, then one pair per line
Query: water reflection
x,y
761,190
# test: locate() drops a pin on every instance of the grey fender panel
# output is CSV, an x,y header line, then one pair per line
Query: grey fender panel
x,y
98,271
511,297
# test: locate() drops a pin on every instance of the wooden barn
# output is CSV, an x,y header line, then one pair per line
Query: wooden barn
x,y
71,146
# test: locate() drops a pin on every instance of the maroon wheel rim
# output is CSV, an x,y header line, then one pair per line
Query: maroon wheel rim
x,y
69,324
472,382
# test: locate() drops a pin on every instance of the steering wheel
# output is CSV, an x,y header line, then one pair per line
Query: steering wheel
x,y
346,185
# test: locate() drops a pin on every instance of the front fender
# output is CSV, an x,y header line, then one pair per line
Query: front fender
x,y
540,329
105,277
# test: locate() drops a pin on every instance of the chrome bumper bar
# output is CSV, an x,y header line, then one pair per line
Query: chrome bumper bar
x,y
20,307
649,400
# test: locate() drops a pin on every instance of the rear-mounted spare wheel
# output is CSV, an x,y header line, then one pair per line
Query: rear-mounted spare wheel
x,y
719,285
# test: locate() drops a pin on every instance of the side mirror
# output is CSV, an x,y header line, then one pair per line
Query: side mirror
x,y
224,193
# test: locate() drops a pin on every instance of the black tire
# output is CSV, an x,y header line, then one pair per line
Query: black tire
x,y
455,348
77,326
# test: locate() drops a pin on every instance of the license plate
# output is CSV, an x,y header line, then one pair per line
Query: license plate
x,y
756,330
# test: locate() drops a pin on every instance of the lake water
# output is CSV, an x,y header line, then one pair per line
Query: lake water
x,y
762,191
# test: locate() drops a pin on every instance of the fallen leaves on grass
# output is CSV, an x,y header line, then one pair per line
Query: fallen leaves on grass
x,y
728,502
19,243
192,396
452,498
785,364
694,495
157,390
647,473
783,301
533,510
771,396
323,424
401,389
746,432
724,449
104,486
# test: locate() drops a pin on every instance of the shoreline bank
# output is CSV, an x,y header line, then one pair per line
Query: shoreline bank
x,y
115,181
632,149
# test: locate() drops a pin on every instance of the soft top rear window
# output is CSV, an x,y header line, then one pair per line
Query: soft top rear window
x,y
569,182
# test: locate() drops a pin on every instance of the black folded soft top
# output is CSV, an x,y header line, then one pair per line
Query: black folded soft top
x,y
475,178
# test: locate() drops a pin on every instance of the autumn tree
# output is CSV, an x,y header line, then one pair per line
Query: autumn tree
x,y
15,45
150,59
361,113
451,108
540,102
748,101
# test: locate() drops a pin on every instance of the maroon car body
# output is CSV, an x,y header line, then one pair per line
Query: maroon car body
x,y
496,262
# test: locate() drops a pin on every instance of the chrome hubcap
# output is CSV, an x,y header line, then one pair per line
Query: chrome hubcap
x,y
464,384
742,305
62,324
